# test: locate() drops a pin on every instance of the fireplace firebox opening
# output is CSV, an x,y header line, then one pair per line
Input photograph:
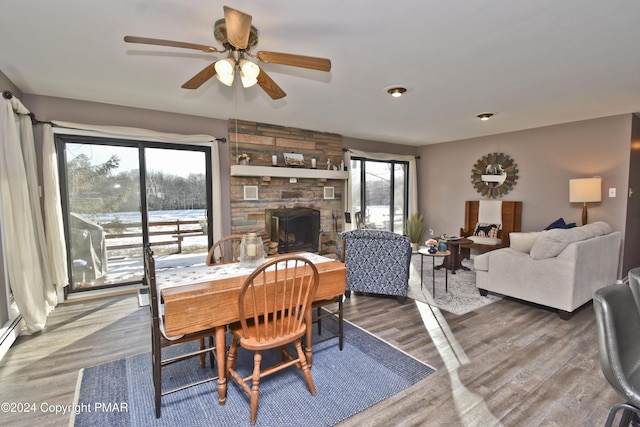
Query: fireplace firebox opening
x,y
294,229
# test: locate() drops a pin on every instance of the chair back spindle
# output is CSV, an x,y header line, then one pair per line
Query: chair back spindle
x,y
225,250
278,294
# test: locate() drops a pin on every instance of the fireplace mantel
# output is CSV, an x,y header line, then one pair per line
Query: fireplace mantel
x,y
287,172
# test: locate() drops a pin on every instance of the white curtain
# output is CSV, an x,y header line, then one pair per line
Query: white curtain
x,y
54,225
25,248
413,178
150,135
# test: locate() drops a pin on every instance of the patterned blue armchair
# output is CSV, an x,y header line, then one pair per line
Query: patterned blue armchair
x,y
377,262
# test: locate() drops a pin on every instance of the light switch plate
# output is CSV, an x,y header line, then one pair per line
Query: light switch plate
x,y
612,192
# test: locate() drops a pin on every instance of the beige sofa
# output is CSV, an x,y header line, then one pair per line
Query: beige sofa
x,y
559,268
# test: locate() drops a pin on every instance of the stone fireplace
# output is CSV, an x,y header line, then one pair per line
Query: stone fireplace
x,y
295,229
275,188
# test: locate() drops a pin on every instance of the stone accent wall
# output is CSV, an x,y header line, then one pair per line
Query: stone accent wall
x,y
261,141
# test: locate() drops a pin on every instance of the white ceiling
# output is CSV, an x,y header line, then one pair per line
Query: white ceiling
x,y
532,63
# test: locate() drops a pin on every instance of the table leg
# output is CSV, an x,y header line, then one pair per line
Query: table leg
x,y
446,278
454,258
433,276
456,262
221,350
421,269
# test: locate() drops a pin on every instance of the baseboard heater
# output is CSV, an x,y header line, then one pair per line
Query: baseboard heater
x,y
10,333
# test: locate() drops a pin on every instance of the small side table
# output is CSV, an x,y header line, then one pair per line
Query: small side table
x,y
445,254
455,261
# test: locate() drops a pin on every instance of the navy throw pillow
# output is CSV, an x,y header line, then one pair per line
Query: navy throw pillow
x,y
558,223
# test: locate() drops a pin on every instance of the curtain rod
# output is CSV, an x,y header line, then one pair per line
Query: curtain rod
x,y
34,121
8,95
344,150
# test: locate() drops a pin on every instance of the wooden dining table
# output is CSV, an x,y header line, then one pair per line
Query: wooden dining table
x,y
203,297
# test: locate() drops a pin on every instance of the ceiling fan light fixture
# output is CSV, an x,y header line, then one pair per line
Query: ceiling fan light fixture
x,y
225,70
248,73
247,81
249,69
484,116
396,91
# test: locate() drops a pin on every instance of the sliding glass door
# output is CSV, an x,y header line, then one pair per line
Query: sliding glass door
x,y
379,190
119,195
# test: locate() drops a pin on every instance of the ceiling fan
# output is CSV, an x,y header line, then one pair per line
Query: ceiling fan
x,y
238,37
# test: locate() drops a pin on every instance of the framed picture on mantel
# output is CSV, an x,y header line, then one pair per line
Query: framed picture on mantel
x,y
293,159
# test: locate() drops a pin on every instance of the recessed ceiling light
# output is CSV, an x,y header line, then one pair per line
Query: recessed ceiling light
x,y
484,116
396,91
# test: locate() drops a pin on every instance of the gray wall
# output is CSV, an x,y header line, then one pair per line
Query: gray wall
x,y
547,158
6,84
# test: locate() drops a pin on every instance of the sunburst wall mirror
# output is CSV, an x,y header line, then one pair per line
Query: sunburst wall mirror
x,y
494,175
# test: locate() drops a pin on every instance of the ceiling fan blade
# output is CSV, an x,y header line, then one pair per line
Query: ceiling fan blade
x,y
172,43
238,27
311,62
204,75
269,86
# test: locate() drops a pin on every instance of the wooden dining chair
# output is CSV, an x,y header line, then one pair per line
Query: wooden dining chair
x,y
273,304
160,341
225,250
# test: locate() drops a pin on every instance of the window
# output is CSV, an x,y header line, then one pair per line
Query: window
x,y
119,194
380,192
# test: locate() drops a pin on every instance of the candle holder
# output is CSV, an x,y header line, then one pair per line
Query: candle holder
x,y
251,251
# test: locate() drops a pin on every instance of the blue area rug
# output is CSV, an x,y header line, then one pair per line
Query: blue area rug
x,y
368,370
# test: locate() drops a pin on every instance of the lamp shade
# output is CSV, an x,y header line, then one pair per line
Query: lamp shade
x,y
225,70
583,190
248,73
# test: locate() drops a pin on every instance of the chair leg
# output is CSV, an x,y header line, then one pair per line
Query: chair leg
x,y
319,321
305,368
212,353
202,356
255,385
156,360
231,354
627,414
340,324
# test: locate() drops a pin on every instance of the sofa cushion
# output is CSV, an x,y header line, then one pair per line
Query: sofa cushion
x,y
550,243
523,242
484,229
485,241
598,228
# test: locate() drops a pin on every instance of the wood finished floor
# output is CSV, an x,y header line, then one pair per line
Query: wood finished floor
x,y
507,363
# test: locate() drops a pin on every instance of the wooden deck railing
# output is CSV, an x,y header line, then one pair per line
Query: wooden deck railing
x,y
175,231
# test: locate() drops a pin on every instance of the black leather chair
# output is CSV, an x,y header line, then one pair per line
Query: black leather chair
x,y
618,326
634,284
